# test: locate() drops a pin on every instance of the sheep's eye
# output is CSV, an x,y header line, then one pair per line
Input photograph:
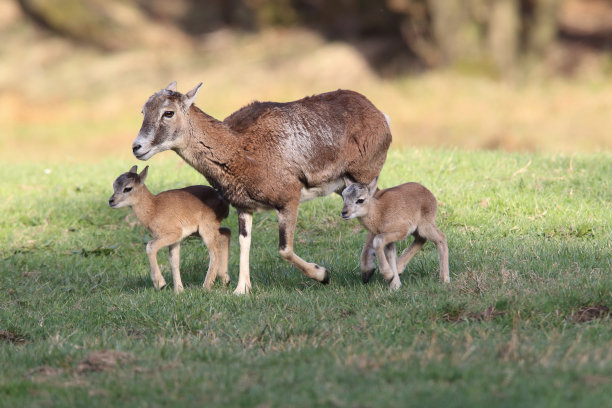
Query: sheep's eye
x,y
360,201
168,114
127,189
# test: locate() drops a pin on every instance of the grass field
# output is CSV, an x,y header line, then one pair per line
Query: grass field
x,y
525,320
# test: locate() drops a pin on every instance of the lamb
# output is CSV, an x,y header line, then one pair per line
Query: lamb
x,y
172,215
390,215
270,156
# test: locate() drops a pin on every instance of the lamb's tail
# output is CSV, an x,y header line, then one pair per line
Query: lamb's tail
x,y
387,118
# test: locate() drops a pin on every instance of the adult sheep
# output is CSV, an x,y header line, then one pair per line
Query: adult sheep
x,y
270,156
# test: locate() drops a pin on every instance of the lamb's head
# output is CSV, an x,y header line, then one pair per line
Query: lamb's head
x,y
164,121
357,198
126,188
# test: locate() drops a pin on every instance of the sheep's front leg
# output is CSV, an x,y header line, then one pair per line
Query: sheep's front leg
x,y
390,253
174,256
152,247
287,218
245,223
368,254
388,271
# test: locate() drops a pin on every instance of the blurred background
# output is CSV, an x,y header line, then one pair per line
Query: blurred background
x,y
517,75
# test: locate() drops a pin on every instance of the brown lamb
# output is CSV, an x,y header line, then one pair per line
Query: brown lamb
x,y
390,215
173,215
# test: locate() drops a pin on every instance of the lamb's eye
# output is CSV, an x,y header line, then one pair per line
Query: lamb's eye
x,y
360,201
127,189
168,114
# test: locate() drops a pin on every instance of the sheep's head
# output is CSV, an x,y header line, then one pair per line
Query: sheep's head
x,y
164,121
126,187
356,197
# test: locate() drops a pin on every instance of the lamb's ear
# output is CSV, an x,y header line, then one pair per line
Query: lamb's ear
x,y
373,186
347,181
190,96
134,169
143,175
171,86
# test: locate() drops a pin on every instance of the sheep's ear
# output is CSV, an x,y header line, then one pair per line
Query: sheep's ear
x,y
190,96
373,186
143,175
134,169
171,86
347,181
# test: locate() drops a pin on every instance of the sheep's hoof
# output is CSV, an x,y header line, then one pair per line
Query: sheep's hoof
x,y
325,280
394,285
242,289
367,275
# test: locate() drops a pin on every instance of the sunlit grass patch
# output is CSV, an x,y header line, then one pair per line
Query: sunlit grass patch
x,y
524,321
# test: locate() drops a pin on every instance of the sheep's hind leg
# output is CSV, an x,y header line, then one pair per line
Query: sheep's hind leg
x,y
287,218
432,233
409,252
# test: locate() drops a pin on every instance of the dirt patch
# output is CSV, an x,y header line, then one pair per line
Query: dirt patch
x,y
43,371
11,337
103,361
588,313
595,380
486,315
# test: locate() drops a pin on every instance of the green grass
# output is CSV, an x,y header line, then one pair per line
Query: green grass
x,y
530,239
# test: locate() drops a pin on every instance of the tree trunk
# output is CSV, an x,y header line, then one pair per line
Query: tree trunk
x,y
504,34
454,29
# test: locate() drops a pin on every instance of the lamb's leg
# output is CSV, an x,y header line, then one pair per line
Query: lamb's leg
x,y
211,238
432,233
174,255
387,271
153,247
225,235
409,252
391,255
287,218
245,222
368,254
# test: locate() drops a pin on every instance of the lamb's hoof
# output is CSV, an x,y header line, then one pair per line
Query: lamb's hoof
x,y
394,285
242,289
178,290
367,275
325,279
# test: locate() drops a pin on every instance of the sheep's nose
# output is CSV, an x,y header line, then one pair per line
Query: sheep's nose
x,y
135,148
111,201
344,212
